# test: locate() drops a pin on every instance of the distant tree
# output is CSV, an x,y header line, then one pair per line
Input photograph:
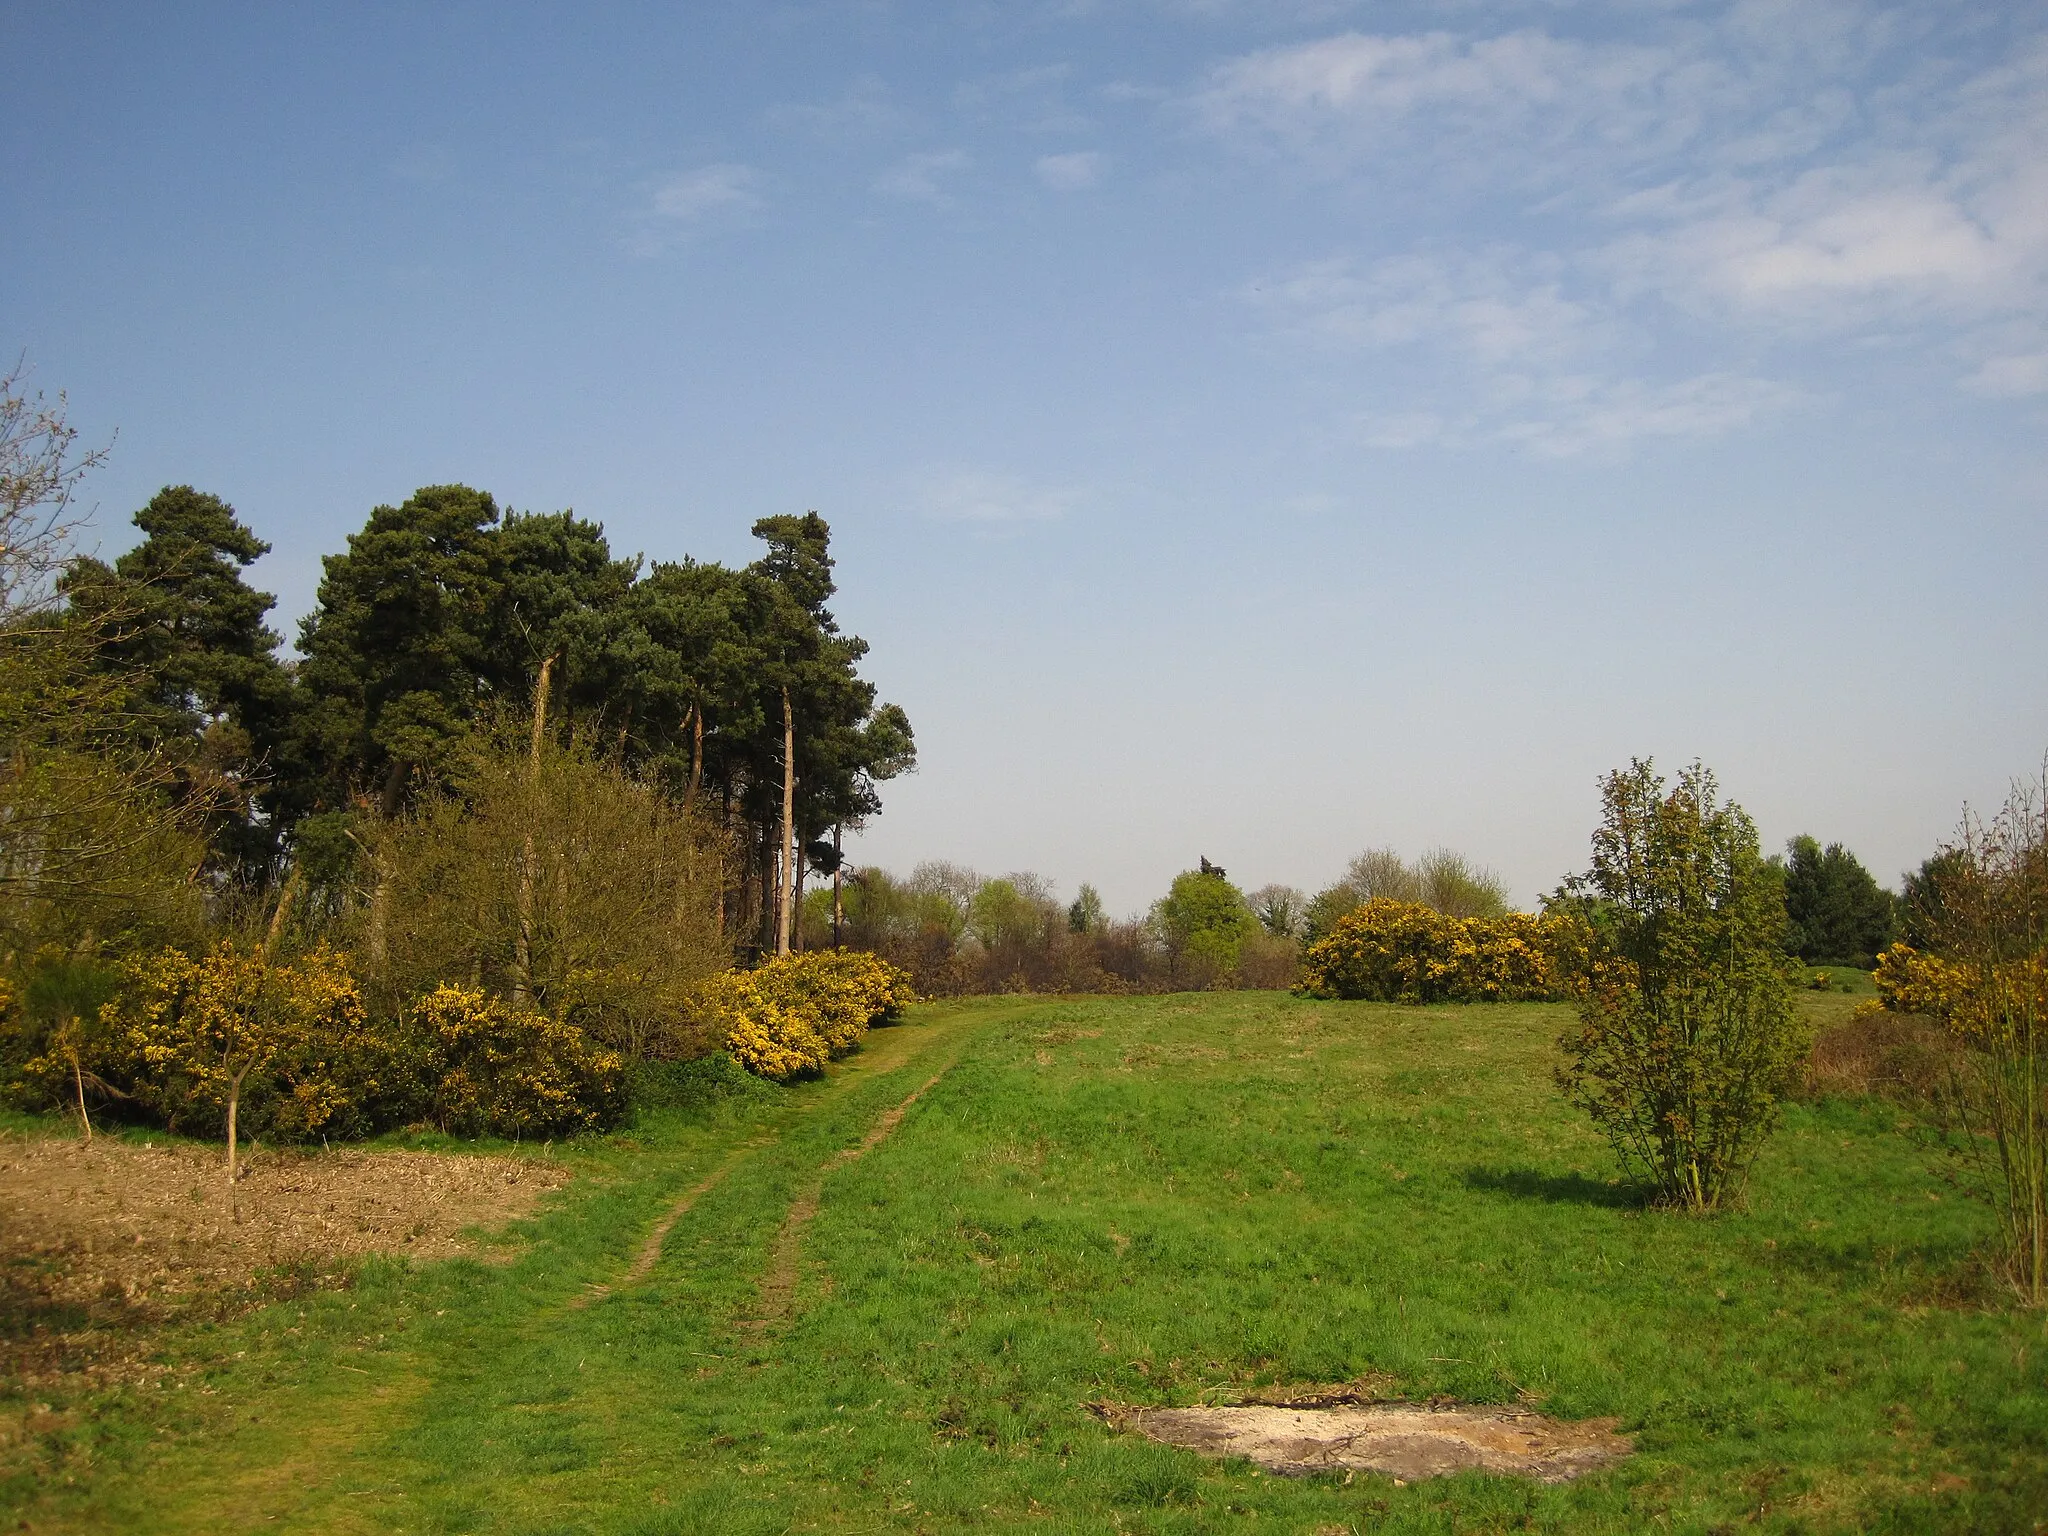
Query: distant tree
x,y
1923,904
1458,888
1442,878
1687,1038
1006,915
1085,915
1835,912
1205,919
1280,909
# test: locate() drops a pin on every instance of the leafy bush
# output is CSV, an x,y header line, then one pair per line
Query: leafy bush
x,y
793,1014
1687,1040
1909,981
1393,951
287,1046
554,880
288,1050
489,1068
1983,911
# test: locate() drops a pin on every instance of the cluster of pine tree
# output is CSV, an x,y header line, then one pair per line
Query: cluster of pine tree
x,y
732,691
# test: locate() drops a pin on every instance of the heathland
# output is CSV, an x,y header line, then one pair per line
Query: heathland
x,y
894,1298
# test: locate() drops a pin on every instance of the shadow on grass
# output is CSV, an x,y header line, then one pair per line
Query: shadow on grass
x,y
1555,1188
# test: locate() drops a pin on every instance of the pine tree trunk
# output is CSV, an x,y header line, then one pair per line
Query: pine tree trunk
x,y
838,901
522,943
78,1079
788,826
696,760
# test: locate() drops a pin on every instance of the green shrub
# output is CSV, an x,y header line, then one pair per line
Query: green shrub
x,y
1687,1040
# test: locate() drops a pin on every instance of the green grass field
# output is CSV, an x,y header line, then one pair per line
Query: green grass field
x,y
1158,1200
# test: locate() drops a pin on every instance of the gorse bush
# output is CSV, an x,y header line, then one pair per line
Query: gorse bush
x,y
234,1041
1909,981
485,1067
287,1047
792,1015
1986,981
1393,951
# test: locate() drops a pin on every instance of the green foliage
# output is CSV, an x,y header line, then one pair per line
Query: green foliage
x,y
180,629
1204,920
1835,911
1687,1039
619,924
1240,1195
396,647
1086,914
1404,952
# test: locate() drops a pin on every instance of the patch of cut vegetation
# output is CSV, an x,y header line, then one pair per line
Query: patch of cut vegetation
x,y
1404,1441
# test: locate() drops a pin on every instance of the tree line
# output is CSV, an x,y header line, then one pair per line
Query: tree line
x,y
733,691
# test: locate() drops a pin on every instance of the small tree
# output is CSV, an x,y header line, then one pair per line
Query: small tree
x,y
1204,919
210,1034
1687,1040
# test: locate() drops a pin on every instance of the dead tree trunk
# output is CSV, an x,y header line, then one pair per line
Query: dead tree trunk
x,y
522,942
838,901
788,852
696,759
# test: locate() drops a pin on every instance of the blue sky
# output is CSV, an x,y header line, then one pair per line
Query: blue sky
x,y
1253,430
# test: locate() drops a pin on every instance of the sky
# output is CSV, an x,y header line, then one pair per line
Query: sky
x,y
1258,430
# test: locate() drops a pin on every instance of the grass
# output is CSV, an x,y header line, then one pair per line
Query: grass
x,y
1159,1200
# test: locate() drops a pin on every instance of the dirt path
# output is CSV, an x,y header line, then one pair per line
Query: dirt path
x,y
778,1285
650,1250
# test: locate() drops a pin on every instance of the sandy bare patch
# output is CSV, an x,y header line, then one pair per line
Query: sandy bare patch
x,y
1406,1441
99,1243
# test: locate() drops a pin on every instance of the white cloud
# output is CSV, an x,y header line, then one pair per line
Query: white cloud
x,y
865,109
1480,305
1811,171
1574,416
2025,374
1072,173
918,177
988,499
709,190
693,203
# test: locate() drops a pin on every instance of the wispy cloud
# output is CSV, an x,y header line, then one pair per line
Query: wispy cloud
x,y
1811,172
987,499
1074,172
865,109
921,177
683,206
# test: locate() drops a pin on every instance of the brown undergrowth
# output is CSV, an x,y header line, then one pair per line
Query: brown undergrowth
x,y
102,1245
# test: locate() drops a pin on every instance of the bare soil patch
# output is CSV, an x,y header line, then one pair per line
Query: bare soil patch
x,y
1405,1441
100,1244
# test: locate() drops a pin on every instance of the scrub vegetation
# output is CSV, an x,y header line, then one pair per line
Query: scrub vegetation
x,y
531,868
1146,1201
